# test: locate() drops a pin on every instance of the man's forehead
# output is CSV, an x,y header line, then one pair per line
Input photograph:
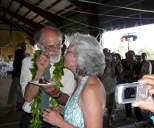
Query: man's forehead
x,y
52,40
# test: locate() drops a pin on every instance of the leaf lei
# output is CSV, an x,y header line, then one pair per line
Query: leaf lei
x,y
36,105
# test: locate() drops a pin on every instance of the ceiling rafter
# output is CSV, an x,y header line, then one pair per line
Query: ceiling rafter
x,y
53,4
91,19
18,9
42,21
10,3
67,7
7,21
23,19
87,6
27,13
39,2
35,17
51,17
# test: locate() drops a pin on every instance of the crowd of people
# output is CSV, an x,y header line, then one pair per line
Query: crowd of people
x,y
119,71
91,75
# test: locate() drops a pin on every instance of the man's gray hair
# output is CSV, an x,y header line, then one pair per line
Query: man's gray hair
x,y
38,38
89,55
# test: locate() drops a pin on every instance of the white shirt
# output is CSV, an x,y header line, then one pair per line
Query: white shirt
x,y
26,76
146,67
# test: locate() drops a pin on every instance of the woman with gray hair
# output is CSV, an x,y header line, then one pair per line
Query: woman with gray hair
x,y
86,106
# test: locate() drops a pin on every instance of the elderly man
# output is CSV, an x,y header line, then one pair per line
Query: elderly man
x,y
49,41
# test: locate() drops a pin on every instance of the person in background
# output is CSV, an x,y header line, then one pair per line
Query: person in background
x,y
109,80
138,66
118,67
86,106
15,97
48,40
130,75
146,66
23,46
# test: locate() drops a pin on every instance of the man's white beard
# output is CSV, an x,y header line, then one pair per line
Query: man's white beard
x,y
55,57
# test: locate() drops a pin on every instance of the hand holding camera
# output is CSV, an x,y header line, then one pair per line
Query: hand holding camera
x,y
131,92
147,80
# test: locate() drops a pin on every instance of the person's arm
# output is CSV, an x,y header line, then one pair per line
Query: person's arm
x,y
150,67
93,105
26,75
62,98
57,94
69,84
31,90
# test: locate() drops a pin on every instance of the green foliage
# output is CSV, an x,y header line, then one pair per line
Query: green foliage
x,y
58,72
36,105
36,108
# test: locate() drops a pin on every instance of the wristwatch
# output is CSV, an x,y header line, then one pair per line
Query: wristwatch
x,y
58,95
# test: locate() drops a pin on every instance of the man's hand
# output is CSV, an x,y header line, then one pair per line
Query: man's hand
x,y
60,97
42,62
51,90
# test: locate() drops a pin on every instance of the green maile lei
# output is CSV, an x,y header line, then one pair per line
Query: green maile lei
x,y
36,105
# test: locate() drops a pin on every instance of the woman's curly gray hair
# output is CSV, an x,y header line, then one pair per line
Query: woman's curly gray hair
x,y
89,56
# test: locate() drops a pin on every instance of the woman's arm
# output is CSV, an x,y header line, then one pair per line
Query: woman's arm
x,y
93,104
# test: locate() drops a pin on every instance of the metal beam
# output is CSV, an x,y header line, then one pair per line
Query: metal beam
x,y
92,19
62,10
85,5
47,15
23,19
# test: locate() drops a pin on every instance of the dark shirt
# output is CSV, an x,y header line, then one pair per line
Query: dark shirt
x,y
17,63
129,71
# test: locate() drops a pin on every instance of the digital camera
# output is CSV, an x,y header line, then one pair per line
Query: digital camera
x,y
130,92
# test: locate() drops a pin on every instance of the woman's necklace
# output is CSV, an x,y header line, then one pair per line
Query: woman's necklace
x,y
36,105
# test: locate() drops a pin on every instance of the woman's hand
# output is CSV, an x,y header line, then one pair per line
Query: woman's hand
x,y
59,109
52,117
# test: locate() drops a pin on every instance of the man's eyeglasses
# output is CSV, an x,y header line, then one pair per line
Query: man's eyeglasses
x,y
53,47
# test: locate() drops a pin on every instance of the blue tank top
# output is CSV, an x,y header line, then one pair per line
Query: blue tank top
x,y
72,111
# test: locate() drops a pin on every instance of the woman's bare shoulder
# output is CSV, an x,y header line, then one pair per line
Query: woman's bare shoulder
x,y
93,87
